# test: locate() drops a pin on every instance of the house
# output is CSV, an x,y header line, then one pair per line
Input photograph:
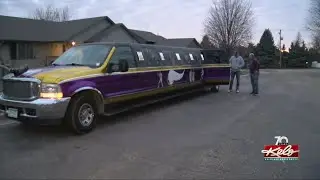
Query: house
x,y
38,42
150,38
180,42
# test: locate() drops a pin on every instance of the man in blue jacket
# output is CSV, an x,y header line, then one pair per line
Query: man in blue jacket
x,y
236,63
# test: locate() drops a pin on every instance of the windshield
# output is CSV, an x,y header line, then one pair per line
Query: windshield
x,y
86,55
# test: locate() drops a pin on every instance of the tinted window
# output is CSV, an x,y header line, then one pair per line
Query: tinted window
x,y
144,57
170,59
86,55
123,52
197,57
155,59
178,58
214,57
186,58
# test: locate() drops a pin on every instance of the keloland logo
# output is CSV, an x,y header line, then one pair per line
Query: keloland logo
x,y
281,150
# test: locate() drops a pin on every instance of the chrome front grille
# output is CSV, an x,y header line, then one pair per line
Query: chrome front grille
x,y
20,90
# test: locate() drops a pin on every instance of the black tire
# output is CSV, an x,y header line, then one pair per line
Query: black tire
x,y
215,88
74,120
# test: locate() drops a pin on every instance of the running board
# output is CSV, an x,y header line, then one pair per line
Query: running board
x,y
152,101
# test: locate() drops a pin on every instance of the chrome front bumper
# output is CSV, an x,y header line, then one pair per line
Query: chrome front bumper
x,y
40,109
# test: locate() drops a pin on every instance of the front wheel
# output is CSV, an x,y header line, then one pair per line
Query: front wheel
x,y
82,115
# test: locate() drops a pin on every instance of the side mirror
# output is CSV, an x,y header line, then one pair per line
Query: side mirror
x,y
123,65
112,68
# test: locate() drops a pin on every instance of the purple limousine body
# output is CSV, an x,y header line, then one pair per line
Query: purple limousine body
x,y
78,92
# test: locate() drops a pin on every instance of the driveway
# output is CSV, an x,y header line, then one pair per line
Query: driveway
x,y
202,136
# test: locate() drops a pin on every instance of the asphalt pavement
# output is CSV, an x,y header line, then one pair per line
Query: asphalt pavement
x,y
203,136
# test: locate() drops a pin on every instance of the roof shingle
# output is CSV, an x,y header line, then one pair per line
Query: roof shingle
x,y
23,29
148,36
82,30
179,42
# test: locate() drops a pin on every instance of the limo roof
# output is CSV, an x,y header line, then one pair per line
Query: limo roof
x,y
137,44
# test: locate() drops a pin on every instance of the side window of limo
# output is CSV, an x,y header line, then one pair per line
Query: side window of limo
x,y
178,59
142,57
194,58
185,58
202,57
155,57
169,57
123,53
197,58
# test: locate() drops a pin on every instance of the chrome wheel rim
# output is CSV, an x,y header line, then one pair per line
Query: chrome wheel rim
x,y
86,114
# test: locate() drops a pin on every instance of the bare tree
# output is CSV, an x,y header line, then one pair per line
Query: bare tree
x,y
51,13
313,21
229,23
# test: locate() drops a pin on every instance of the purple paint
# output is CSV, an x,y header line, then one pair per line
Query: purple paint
x,y
123,84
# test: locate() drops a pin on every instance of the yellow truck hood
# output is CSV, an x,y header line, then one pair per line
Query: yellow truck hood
x,y
60,73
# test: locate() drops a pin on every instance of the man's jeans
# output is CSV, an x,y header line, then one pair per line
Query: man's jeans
x,y
233,74
254,82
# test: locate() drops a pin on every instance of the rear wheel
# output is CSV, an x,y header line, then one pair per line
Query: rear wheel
x,y
215,88
82,114
212,88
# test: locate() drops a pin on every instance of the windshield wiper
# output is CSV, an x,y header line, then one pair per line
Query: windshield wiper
x,y
74,64
54,64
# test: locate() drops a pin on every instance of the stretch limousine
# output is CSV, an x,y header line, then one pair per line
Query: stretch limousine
x,y
96,79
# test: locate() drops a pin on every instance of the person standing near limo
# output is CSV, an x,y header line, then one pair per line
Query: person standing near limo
x,y
254,67
236,63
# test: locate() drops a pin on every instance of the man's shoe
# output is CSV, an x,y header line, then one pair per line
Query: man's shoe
x,y
252,93
237,91
229,91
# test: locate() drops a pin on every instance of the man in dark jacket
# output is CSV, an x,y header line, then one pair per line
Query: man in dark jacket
x,y
254,67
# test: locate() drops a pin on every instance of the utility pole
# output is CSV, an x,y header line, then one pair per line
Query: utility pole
x,y
280,48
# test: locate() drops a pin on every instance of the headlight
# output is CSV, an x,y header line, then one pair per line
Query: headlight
x,y
52,91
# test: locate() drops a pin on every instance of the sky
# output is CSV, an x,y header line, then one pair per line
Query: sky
x,y
176,18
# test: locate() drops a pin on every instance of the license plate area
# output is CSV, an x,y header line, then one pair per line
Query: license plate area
x,y
12,113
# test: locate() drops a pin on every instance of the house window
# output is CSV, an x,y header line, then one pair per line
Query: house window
x,y
140,56
161,56
25,51
178,56
191,57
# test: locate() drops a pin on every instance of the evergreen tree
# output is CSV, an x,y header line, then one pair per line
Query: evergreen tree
x,y
298,40
251,48
298,53
266,49
205,43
